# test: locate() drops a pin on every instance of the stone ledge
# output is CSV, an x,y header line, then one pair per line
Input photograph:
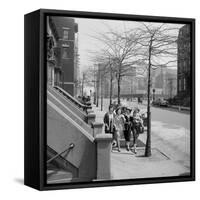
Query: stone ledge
x,y
103,137
90,118
97,125
90,111
91,115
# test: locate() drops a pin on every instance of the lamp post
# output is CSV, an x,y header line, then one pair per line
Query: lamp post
x,y
154,94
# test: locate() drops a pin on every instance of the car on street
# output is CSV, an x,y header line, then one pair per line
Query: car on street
x,y
160,102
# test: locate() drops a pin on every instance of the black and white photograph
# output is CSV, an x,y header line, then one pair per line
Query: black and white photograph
x,y
118,99
99,99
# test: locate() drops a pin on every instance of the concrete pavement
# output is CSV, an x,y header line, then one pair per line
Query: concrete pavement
x,y
170,151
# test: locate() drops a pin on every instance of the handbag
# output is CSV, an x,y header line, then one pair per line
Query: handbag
x,y
141,129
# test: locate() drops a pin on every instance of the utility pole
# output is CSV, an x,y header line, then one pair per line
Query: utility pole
x,y
154,94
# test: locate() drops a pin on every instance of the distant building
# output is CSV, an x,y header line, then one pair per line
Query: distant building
x,y
164,82
170,89
158,81
129,84
184,63
77,85
62,53
106,87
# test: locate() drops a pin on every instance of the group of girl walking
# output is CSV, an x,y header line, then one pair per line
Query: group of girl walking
x,y
123,121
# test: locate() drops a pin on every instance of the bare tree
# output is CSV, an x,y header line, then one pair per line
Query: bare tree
x,y
111,72
103,58
158,48
102,72
120,53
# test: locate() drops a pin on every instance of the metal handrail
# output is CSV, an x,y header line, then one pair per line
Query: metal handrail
x,y
71,146
85,107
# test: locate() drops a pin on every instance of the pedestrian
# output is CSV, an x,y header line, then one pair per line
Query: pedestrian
x,y
137,126
127,127
119,127
109,121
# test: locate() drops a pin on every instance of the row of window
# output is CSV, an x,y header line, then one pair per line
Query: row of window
x,y
65,54
65,34
182,84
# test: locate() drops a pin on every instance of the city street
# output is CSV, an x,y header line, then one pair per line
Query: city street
x,y
170,132
170,135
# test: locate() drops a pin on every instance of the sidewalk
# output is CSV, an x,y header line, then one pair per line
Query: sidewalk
x,y
162,163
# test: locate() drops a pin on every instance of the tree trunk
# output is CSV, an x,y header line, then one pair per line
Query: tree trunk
x,y
97,99
94,93
118,89
111,87
98,87
101,92
148,141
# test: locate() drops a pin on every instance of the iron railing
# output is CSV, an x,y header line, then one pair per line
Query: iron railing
x,y
68,149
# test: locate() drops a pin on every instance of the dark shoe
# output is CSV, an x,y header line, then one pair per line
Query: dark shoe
x,y
114,144
133,150
127,149
118,150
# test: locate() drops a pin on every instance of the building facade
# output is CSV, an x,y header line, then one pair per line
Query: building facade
x,y
77,86
62,52
184,63
164,82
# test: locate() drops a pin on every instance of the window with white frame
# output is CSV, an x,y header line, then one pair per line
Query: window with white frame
x,y
65,34
65,53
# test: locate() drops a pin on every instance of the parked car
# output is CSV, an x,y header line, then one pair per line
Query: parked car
x,y
139,100
160,102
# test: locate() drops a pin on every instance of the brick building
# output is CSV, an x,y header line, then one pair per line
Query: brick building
x,y
183,73
62,52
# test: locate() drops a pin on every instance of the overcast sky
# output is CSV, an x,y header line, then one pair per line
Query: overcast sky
x,y
91,27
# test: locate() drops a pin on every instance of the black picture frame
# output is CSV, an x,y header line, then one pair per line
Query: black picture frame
x,y
35,99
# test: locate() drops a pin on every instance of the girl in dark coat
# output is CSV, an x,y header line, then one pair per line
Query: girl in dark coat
x,y
109,120
136,128
127,127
